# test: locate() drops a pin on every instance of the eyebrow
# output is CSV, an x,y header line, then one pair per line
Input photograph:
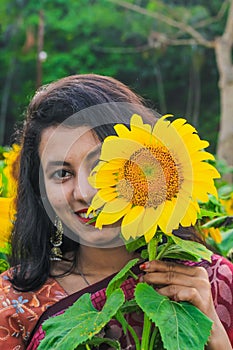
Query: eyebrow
x,y
53,163
89,156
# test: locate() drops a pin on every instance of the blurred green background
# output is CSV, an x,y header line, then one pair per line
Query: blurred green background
x,y
100,36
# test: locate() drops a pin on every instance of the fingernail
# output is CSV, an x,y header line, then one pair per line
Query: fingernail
x,y
144,266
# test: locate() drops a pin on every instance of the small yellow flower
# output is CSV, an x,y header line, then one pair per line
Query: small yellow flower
x,y
11,169
213,233
151,177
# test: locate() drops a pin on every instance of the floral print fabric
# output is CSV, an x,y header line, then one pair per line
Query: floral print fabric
x,y
19,312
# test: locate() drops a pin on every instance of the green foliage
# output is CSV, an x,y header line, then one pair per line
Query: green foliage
x,y
195,249
79,323
180,249
82,323
100,37
116,282
4,265
3,179
181,325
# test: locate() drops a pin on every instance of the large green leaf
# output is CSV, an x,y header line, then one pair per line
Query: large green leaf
x,y
197,250
120,277
79,323
181,325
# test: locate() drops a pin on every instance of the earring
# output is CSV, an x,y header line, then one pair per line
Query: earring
x,y
56,241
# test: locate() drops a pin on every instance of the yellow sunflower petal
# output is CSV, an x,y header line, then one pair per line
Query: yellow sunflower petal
x,y
202,155
190,216
141,132
103,179
183,128
130,223
119,149
122,131
151,217
162,175
150,233
112,212
163,221
201,190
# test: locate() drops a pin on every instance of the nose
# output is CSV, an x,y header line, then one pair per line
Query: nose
x,y
83,191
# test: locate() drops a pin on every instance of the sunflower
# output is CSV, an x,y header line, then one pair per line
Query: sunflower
x,y
7,213
152,177
11,169
7,217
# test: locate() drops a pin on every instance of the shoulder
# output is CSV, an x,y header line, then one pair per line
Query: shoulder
x,y
19,311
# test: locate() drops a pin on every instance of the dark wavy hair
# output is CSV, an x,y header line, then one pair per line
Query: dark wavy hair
x,y
52,105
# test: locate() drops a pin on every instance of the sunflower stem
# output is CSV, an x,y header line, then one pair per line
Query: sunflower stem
x,y
134,335
133,275
146,333
152,252
153,338
152,247
163,250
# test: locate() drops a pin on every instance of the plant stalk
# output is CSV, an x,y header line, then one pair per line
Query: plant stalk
x,y
152,252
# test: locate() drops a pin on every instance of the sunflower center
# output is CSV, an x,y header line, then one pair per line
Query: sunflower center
x,y
149,177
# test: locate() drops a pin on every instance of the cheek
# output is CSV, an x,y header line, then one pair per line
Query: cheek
x,y
58,196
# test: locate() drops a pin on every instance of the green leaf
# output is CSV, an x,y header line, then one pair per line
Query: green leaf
x,y
176,252
215,222
197,250
79,323
98,341
208,213
226,243
135,244
120,277
181,325
144,254
120,318
129,306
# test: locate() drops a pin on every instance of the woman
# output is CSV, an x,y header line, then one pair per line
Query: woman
x,y
56,256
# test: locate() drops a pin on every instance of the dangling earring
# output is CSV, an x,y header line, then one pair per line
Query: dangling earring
x,y
56,241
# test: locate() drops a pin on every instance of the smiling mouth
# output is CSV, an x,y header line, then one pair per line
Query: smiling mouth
x,y
87,219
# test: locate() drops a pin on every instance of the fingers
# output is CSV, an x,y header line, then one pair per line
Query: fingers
x,y
164,266
179,282
160,272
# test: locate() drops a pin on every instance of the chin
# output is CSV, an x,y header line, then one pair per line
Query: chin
x,y
102,242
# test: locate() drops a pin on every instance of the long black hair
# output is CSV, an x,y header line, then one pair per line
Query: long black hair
x,y
52,105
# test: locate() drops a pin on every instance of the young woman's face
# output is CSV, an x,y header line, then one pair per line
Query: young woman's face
x,y
67,157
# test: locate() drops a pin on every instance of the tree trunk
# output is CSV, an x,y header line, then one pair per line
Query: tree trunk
x,y
223,50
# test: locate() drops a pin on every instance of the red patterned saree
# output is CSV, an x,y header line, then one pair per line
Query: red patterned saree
x,y
22,314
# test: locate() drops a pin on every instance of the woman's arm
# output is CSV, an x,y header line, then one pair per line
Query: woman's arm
x,y
186,283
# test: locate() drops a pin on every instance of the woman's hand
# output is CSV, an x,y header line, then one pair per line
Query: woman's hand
x,y
187,283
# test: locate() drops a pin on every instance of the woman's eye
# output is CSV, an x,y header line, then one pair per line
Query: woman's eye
x,y
61,174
